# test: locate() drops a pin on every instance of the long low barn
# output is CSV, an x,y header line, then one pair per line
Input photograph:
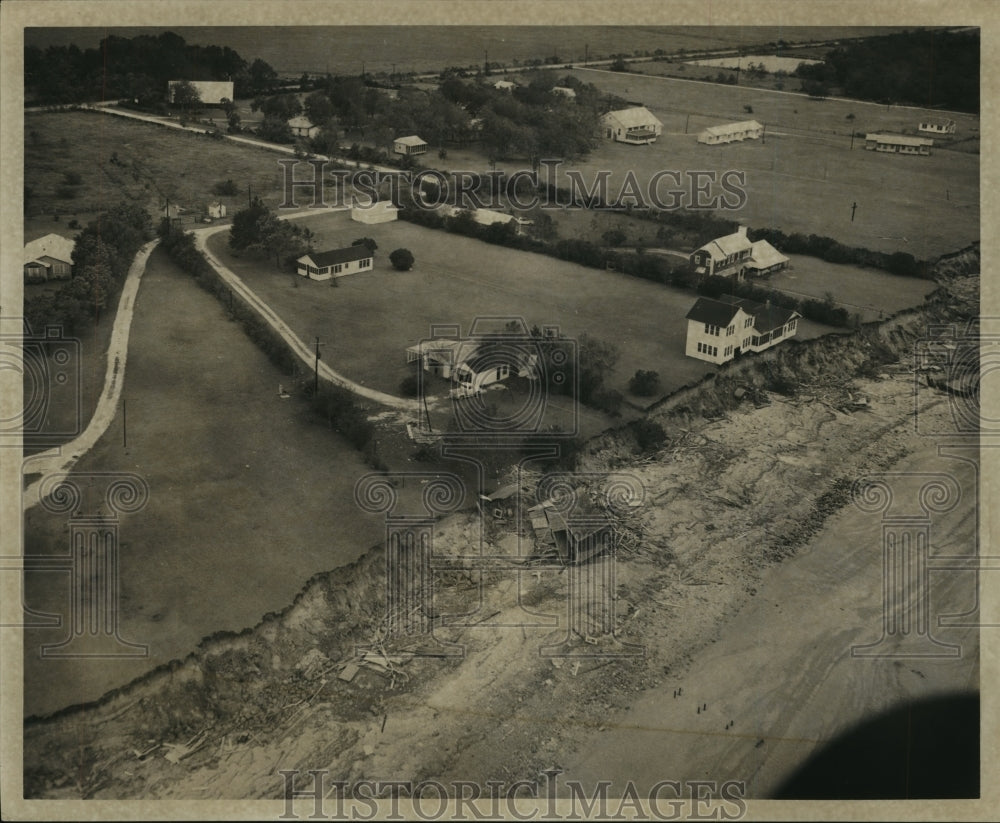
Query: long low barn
x,y
898,143
731,132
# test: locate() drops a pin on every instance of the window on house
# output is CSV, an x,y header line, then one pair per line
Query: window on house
x,y
337,268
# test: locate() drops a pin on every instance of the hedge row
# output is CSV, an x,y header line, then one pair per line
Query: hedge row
x,y
334,405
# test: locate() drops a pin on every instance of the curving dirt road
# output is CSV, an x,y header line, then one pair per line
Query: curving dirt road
x,y
61,459
304,352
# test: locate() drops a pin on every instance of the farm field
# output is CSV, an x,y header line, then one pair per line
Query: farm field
x,y
153,164
803,177
368,320
292,50
234,472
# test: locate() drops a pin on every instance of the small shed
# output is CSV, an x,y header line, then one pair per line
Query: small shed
x,y
378,211
303,127
409,146
215,210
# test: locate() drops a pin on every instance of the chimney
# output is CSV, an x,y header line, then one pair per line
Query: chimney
x,y
741,231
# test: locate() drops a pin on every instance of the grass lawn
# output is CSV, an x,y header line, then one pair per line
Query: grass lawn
x,y
368,320
249,496
870,292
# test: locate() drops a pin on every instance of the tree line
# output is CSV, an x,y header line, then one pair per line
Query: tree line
x,y
936,69
333,405
103,252
137,68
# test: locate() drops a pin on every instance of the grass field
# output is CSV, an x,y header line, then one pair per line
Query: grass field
x,y
368,320
870,292
804,176
153,164
248,495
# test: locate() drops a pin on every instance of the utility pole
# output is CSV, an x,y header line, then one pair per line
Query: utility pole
x,y
316,372
124,423
688,120
586,53
854,206
486,62
763,135
852,138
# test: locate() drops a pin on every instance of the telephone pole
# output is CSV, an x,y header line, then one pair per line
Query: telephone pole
x,y
316,372
854,206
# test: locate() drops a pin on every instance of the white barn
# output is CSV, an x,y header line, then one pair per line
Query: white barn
x,y
731,132
636,126
719,330
379,211
210,92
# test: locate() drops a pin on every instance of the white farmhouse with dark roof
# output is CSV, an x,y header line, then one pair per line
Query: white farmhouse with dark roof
x,y
735,255
635,125
719,330
335,263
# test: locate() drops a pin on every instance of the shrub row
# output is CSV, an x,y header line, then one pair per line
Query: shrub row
x,y
333,404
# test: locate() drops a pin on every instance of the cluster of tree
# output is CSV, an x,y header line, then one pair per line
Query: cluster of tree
x,y
102,256
644,383
137,68
257,229
923,67
826,248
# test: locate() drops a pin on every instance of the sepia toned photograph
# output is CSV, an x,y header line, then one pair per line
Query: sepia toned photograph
x,y
470,413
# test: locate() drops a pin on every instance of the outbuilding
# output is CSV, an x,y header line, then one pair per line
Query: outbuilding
x,y
636,125
335,263
409,146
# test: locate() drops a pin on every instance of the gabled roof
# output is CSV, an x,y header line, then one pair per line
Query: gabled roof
x,y
767,318
51,245
764,255
411,140
329,258
715,312
301,122
730,128
722,247
634,117
900,140
722,311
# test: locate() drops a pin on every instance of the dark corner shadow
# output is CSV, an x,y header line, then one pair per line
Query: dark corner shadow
x,y
927,749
